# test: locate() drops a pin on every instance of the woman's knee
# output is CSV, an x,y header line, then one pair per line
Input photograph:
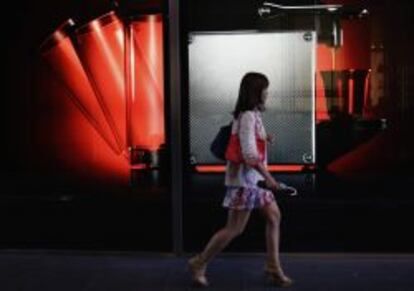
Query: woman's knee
x,y
274,216
234,231
237,222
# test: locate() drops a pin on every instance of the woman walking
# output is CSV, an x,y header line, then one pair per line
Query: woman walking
x,y
242,193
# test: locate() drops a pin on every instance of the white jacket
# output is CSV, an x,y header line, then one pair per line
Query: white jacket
x,y
248,125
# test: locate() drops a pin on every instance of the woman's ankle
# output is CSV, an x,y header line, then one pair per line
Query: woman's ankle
x,y
200,260
273,266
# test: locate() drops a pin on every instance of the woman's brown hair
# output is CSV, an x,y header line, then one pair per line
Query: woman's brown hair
x,y
250,93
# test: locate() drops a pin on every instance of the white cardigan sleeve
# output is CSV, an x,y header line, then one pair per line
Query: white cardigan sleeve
x,y
247,138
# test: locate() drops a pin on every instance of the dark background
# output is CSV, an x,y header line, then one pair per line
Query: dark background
x,y
370,211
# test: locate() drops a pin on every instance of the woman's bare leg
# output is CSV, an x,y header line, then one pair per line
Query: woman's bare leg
x,y
273,217
273,266
236,222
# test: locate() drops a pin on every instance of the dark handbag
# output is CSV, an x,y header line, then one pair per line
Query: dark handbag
x,y
219,145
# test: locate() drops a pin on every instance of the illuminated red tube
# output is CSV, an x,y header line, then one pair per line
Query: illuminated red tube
x,y
100,45
145,82
59,53
367,85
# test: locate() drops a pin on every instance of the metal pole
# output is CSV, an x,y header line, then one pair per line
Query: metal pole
x,y
175,125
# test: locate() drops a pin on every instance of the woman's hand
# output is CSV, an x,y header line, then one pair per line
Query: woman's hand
x,y
272,184
270,138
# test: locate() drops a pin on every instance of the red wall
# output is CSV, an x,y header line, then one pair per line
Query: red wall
x,y
353,54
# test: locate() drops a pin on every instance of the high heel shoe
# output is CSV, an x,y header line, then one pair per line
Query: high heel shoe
x,y
198,268
276,277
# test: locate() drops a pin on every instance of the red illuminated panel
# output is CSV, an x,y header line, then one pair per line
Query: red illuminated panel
x,y
321,106
324,63
146,103
60,55
67,147
367,101
86,156
100,45
368,157
351,95
139,167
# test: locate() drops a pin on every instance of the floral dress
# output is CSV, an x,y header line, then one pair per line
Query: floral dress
x,y
241,180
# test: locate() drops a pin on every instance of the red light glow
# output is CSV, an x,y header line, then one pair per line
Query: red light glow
x,y
66,66
90,71
146,126
271,168
100,47
351,94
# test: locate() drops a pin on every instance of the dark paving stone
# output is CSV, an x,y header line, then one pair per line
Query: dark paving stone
x,y
103,271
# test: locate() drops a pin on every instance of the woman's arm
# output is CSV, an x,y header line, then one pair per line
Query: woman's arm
x,y
247,137
249,149
270,181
